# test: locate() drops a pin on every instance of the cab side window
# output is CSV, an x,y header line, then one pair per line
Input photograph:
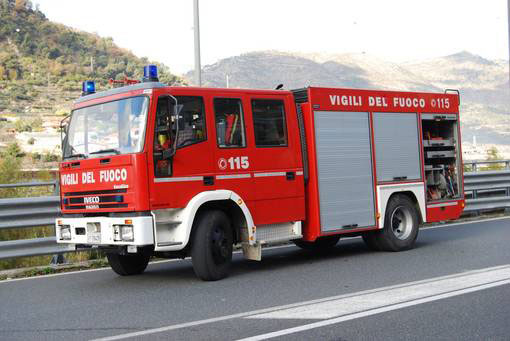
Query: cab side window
x,y
229,118
191,128
162,136
269,123
191,121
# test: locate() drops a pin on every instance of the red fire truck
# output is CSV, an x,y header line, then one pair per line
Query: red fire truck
x,y
149,169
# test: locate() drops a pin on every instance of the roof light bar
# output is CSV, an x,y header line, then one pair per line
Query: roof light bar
x,y
87,88
150,73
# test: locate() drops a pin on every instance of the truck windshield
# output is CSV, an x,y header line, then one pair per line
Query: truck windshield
x,y
116,127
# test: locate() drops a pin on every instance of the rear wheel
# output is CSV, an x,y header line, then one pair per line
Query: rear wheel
x,y
211,249
320,244
400,225
126,265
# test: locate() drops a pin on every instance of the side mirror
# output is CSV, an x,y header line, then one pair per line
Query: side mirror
x,y
64,126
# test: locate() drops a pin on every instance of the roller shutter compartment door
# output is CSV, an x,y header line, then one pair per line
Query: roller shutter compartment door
x,y
397,149
344,162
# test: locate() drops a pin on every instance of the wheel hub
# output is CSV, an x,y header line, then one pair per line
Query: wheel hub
x,y
401,222
220,248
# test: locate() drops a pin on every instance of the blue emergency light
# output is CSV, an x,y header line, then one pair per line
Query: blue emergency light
x,y
87,88
150,73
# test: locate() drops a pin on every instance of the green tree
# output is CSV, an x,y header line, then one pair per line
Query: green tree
x,y
492,155
10,170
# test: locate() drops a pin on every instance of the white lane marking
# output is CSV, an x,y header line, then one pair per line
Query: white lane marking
x,y
390,297
260,175
463,223
233,176
294,305
181,179
373,312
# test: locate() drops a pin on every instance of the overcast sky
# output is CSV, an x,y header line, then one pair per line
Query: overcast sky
x,y
396,30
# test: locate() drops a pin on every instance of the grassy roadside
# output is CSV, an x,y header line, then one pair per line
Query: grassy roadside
x,y
52,269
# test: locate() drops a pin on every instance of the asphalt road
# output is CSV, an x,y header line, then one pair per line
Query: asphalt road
x,y
454,285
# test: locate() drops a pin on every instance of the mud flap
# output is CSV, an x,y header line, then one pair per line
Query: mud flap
x,y
252,252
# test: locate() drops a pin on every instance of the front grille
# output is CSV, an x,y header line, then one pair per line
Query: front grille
x,y
108,191
87,200
102,199
83,207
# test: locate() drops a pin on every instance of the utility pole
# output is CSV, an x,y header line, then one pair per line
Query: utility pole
x,y
198,76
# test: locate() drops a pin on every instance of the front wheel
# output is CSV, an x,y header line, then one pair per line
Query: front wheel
x,y
212,243
400,225
127,265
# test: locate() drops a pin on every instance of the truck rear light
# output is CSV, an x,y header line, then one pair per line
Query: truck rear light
x,y
124,233
65,232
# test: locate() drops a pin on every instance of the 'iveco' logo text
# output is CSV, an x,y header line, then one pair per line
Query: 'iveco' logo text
x,y
91,200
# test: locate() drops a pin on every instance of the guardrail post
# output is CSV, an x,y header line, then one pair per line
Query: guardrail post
x,y
58,259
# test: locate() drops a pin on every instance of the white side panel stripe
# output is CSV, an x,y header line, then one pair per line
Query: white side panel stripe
x,y
443,204
233,176
180,179
225,176
260,175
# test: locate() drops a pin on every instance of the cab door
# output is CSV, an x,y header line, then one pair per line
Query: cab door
x,y
276,163
233,153
178,179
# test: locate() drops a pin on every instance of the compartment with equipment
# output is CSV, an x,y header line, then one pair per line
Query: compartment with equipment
x,y
442,160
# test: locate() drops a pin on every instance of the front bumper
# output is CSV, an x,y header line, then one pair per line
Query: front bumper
x,y
104,231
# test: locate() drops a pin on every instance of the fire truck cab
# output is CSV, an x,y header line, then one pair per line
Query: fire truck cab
x,y
150,169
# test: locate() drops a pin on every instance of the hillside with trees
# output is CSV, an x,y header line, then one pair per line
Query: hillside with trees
x,y
39,57
42,66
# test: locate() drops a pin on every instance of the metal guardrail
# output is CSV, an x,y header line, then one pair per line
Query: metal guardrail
x,y
485,190
17,213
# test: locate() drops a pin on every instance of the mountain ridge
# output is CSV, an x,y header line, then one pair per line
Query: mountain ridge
x,y
483,83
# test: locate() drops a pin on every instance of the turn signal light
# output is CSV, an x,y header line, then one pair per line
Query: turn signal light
x,y
128,222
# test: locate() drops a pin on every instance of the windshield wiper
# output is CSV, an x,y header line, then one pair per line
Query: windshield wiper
x,y
110,150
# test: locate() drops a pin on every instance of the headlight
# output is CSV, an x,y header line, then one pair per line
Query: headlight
x,y
123,233
126,233
65,232
93,227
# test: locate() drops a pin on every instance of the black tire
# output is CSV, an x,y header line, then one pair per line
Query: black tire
x,y
371,240
127,265
320,244
211,248
400,225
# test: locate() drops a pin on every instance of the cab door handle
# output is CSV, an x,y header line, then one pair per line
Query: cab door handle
x,y
291,175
